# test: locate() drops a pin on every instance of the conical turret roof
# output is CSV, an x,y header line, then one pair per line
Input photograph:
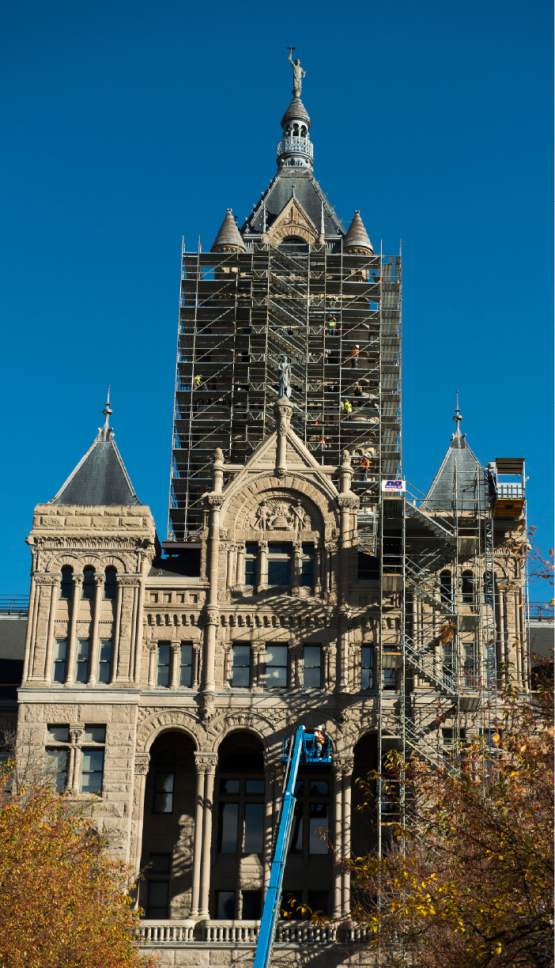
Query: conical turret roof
x,y
460,481
295,112
100,478
228,238
357,239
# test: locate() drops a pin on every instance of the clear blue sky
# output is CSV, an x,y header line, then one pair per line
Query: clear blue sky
x,y
127,125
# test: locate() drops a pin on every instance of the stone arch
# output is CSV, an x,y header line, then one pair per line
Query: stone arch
x,y
289,228
176,720
223,725
244,500
81,560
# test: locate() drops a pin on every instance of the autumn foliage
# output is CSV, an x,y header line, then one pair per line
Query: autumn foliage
x,y
63,902
470,883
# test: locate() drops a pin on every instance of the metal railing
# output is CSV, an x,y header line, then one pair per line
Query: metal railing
x,y
14,604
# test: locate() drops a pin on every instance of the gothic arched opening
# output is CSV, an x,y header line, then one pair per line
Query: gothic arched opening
x,y
308,873
238,843
168,828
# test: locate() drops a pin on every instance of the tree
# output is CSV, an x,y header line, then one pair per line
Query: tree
x,y
468,884
63,900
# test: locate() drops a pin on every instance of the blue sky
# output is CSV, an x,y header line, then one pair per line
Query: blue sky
x,y
127,125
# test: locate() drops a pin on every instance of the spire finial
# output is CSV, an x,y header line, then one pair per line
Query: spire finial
x,y
457,417
106,431
298,73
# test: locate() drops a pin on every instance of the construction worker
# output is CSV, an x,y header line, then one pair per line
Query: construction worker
x,y
320,740
332,326
355,353
347,408
197,381
364,467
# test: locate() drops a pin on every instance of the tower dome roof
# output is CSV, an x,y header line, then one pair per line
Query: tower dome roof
x,y
295,112
357,238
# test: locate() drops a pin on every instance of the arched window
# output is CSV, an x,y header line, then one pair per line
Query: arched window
x,y
66,584
303,131
88,582
295,130
295,244
446,587
467,588
110,582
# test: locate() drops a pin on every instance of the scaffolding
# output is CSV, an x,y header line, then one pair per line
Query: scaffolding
x,y
334,315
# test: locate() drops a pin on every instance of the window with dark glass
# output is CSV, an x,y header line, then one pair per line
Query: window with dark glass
x,y
241,815
279,563
241,665
276,672
225,905
110,583
367,667
390,678
312,659
164,787
446,587
57,755
163,668
251,563
92,759
368,567
253,834
83,660
229,828
311,818
489,588
306,577
467,588
470,679
60,660
105,659
66,584
186,664
88,583
158,886
252,905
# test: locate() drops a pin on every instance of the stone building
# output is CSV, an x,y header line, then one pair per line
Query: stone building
x,y
301,583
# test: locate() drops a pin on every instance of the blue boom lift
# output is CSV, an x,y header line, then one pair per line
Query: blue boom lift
x,y
304,749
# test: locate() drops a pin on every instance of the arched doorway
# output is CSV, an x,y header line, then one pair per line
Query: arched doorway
x,y
238,843
308,873
168,828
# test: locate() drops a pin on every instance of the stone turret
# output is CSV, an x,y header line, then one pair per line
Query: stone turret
x,y
357,239
228,238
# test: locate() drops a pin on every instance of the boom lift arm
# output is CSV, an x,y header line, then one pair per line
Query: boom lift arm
x,y
302,746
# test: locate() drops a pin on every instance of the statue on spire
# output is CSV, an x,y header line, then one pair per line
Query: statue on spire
x,y
298,73
284,368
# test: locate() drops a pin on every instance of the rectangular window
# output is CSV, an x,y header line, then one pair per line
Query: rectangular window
x,y
164,786
367,667
251,556
279,563
241,671
163,667
58,734
58,762
158,886
312,655
83,660
390,678
229,822
252,905
225,905
186,665
92,770
318,828
60,661
94,734
276,666
306,578
105,659
254,828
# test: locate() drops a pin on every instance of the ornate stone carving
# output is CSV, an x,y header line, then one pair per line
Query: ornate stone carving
x,y
142,761
206,762
281,515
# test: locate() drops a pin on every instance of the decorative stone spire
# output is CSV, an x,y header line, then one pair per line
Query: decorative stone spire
x,y
457,438
228,238
295,150
106,432
357,240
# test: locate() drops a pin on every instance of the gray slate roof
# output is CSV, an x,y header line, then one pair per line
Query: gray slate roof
x,y
302,183
100,478
460,480
296,112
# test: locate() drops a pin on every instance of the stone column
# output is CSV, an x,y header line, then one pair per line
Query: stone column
x,y
338,877
214,501
99,585
240,566
153,652
34,599
318,564
257,653
175,650
262,565
115,632
297,566
347,764
72,648
198,840
209,762
142,761
75,734
196,666
49,657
